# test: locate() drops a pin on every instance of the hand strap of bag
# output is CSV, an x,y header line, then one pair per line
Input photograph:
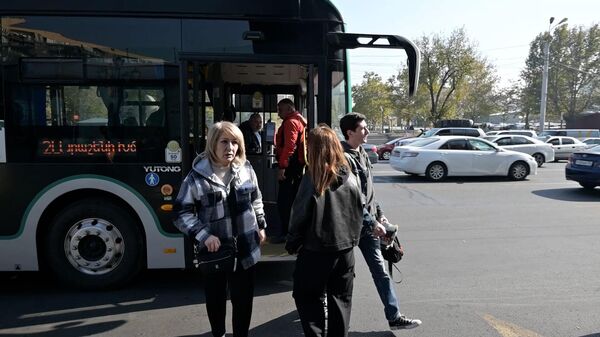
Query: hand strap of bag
x,y
391,267
233,213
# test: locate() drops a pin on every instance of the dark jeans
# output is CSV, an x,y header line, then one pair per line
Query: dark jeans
x,y
315,272
288,188
241,291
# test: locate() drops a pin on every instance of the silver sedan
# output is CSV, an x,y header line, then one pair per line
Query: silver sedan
x,y
539,150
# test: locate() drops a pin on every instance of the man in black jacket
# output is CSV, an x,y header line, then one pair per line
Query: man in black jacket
x,y
354,128
251,130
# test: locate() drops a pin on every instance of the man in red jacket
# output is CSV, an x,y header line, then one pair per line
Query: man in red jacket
x,y
291,156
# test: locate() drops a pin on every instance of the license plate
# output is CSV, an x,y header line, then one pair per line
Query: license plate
x,y
584,162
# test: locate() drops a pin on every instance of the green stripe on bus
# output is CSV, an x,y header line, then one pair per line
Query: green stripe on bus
x,y
87,176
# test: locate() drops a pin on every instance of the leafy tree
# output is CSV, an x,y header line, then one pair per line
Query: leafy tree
x,y
449,68
509,101
479,97
573,76
372,97
454,82
409,110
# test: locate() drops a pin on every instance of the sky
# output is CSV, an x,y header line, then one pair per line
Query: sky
x,y
502,29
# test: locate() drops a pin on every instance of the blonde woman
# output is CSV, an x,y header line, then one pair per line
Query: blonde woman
x,y
325,225
202,213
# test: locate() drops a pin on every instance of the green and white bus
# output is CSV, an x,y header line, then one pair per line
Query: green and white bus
x,y
104,105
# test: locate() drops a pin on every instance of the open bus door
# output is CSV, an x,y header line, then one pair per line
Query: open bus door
x,y
233,90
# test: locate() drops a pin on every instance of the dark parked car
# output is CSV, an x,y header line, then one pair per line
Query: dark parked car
x,y
385,150
584,168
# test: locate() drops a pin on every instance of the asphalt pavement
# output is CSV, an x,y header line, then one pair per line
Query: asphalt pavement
x,y
484,257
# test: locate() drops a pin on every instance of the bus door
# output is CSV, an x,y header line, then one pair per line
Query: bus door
x,y
234,91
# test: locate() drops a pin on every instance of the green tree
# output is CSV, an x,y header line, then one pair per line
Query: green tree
x,y
372,97
573,76
479,96
452,71
409,110
509,101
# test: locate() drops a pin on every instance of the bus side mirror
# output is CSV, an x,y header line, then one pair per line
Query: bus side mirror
x,y
270,133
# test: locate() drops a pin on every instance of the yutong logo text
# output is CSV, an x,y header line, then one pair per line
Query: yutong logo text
x,y
160,169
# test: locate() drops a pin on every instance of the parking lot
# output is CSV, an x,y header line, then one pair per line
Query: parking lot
x,y
484,257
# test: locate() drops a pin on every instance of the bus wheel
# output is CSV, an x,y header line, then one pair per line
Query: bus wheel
x,y
93,244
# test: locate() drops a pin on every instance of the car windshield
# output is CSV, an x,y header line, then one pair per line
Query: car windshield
x,y
423,142
490,138
595,149
429,133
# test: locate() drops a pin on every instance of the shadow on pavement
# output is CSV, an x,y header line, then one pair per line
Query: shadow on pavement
x,y
577,194
36,300
72,329
288,325
371,334
414,179
592,335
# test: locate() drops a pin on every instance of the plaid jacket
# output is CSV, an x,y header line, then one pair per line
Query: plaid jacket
x,y
201,208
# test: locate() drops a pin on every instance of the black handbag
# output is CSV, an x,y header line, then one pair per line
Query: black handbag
x,y
224,259
392,252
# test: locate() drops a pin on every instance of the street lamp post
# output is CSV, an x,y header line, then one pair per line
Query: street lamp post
x,y
545,73
382,130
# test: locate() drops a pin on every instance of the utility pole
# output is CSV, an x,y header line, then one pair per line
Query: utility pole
x,y
544,85
544,95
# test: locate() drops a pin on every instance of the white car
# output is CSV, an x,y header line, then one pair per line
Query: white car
x,y
448,131
591,142
442,156
540,151
565,146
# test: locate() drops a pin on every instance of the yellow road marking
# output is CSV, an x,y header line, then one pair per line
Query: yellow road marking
x,y
507,329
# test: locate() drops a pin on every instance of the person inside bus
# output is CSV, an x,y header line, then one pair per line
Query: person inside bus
x,y
251,130
291,157
325,225
201,212
354,129
109,98
156,113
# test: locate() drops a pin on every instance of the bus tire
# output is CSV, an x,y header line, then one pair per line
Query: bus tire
x,y
94,244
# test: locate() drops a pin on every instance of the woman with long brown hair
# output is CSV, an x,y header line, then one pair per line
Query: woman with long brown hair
x,y
325,225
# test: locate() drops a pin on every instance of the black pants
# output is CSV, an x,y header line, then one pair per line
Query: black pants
x,y
315,272
288,188
241,291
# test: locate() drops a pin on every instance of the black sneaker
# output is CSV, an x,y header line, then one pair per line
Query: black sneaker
x,y
404,323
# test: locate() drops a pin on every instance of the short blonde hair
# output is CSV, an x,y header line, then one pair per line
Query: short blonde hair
x,y
229,129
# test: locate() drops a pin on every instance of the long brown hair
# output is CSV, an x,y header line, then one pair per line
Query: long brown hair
x,y
325,157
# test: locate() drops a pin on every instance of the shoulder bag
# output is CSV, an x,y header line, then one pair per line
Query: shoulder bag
x,y
224,259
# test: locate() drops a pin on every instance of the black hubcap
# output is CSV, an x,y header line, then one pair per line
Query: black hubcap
x,y
92,248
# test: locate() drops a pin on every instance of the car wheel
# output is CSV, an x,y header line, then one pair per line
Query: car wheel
x,y
386,155
587,186
539,159
518,171
436,171
94,244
